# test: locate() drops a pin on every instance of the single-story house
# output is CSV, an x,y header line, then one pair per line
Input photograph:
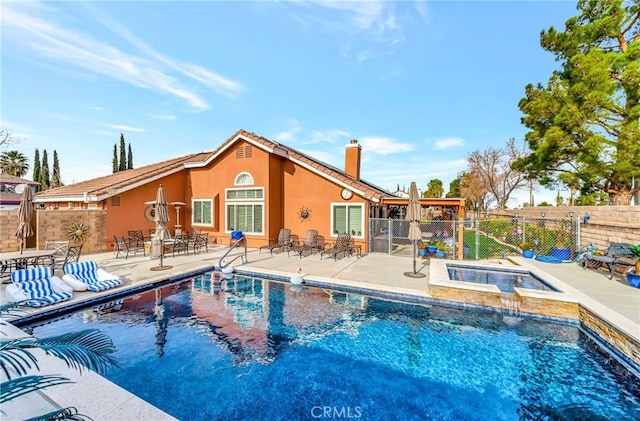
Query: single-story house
x,y
11,190
249,183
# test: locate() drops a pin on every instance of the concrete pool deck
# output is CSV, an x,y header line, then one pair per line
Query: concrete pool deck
x,y
613,300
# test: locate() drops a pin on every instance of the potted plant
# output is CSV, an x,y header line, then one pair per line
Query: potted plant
x,y
633,276
527,249
422,248
441,248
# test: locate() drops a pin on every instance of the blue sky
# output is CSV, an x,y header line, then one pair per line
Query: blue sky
x,y
419,84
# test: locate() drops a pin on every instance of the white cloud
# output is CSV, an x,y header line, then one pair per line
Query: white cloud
x,y
149,70
448,143
363,26
384,145
169,117
125,128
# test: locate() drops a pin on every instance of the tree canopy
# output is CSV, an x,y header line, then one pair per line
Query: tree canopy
x,y
584,124
14,163
434,189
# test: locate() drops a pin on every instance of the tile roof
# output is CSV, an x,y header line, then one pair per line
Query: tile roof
x,y
103,187
115,183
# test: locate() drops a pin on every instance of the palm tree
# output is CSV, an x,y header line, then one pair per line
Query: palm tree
x,y
87,349
14,163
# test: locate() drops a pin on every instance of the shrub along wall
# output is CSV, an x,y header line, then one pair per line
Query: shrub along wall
x,y
53,225
607,224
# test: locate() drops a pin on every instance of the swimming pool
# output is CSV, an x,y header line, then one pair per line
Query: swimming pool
x,y
245,348
504,279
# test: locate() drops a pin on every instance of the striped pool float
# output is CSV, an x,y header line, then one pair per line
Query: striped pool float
x,y
87,272
35,284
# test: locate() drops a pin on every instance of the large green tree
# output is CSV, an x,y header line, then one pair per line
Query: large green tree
x,y
36,168
114,161
434,189
123,154
55,175
14,163
129,158
44,174
584,124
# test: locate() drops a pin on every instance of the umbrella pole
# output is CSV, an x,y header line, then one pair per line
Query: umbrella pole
x,y
161,251
414,257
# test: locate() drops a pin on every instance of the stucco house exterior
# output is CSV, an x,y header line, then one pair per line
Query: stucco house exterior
x,y
249,183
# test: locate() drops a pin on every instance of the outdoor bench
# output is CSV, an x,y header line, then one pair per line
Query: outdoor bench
x,y
616,254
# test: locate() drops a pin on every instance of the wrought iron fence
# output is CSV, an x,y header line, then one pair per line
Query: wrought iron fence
x,y
494,237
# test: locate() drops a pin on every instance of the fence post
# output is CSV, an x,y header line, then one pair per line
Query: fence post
x,y
477,224
390,236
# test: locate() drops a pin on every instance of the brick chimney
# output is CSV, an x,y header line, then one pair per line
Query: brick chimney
x,y
352,159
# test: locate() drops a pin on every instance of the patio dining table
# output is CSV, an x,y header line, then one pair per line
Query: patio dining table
x,y
28,258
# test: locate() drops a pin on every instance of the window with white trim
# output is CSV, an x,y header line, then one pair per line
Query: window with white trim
x,y
245,210
202,212
244,178
347,218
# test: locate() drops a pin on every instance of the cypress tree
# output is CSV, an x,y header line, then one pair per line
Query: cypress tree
x,y
114,161
37,173
123,154
55,176
130,159
44,179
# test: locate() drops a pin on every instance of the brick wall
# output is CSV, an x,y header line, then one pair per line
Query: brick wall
x,y
52,225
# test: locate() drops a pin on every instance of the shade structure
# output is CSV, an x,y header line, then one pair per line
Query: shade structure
x,y
25,213
161,217
415,234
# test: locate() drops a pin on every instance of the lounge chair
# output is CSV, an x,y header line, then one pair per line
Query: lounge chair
x,y
342,245
87,276
308,244
284,241
616,254
37,287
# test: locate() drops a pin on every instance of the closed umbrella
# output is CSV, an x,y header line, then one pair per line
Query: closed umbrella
x,y
25,213
161,218
415,234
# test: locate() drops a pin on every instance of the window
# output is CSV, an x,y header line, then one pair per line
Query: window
x,y
239,194
347,218
246,217
202,212
245,209
244,178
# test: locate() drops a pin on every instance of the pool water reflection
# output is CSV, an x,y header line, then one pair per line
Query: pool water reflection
x,y
245,348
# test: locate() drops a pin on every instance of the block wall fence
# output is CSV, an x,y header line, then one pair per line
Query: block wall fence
x,y
53,225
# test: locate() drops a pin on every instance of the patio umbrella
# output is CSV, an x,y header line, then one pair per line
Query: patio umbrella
x,y
415,234
25,212
161,218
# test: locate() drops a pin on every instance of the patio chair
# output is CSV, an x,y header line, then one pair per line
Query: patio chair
x,y
181,243
87,276
136,237
37,287
283,242
124,246
61,249
342,245
200,241
310,244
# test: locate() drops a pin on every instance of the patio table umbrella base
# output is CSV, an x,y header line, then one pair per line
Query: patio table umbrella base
x,y
415,274
156,268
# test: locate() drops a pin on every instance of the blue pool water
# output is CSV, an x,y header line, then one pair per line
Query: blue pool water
x,y
246,349
504,279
